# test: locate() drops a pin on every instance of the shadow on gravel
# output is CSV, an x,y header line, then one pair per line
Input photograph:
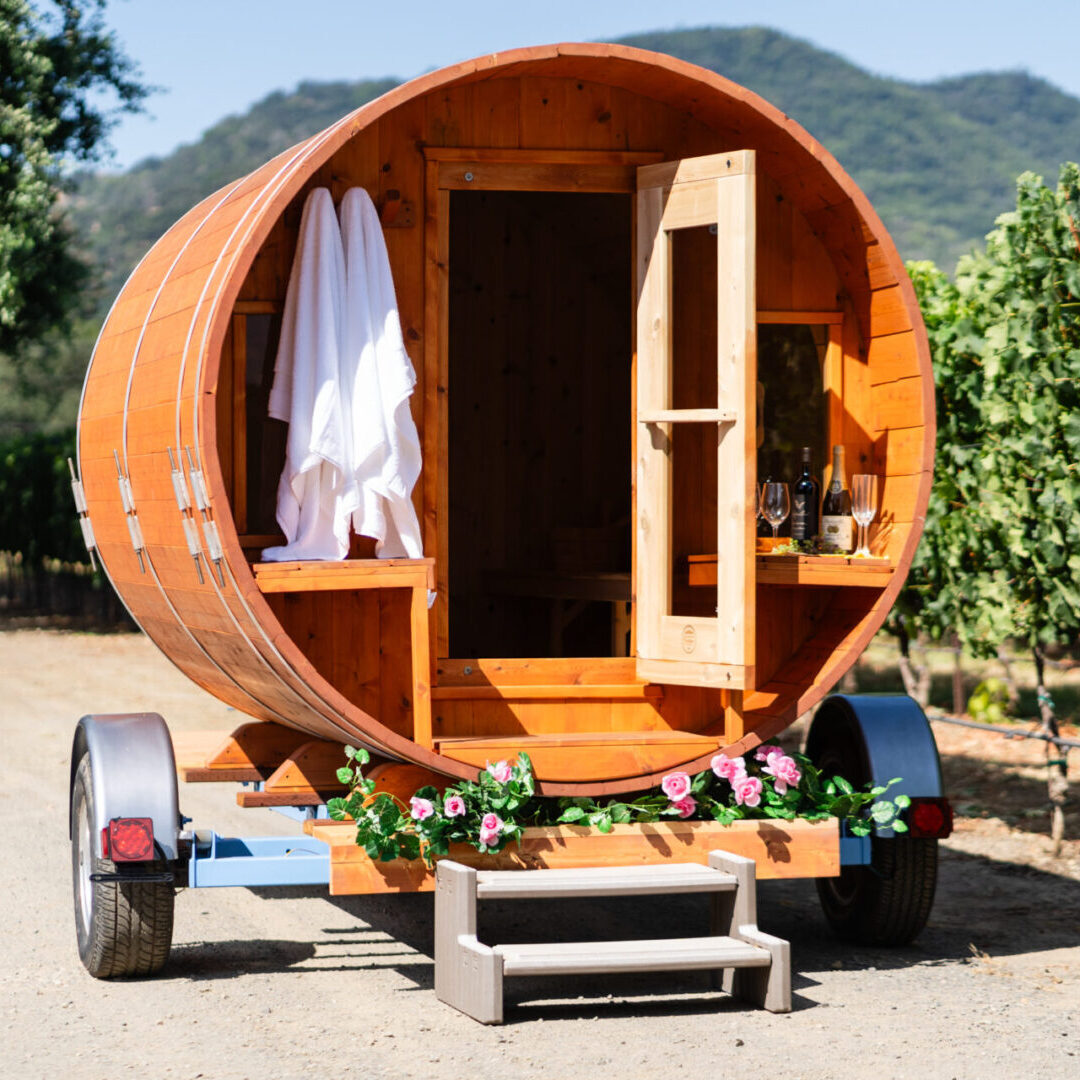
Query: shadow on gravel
x,y
979,785
230,959
983,906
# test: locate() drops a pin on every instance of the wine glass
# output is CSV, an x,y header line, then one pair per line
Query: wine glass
x,y
863,508
775,504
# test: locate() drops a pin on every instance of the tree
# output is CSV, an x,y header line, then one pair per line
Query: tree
x,y
1001,552
55,65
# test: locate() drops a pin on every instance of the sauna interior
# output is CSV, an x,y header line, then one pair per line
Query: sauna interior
x,y
508,205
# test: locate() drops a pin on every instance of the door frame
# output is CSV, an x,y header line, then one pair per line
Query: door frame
x,y
448,169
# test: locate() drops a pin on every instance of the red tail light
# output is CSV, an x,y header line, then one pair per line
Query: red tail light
x,y
128,839
930,818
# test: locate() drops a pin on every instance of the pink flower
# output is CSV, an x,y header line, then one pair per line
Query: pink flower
x,y
490,827
686,806
500,770
767,753
729,768
675,786
454,806
747,791
421,808
784,771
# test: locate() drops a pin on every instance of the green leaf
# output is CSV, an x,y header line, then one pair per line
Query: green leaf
x,y
571,814
344,775
336,808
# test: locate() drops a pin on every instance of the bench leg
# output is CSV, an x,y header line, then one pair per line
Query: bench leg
x,y
468,974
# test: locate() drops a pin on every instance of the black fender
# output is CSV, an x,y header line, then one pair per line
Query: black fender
x,y
877,738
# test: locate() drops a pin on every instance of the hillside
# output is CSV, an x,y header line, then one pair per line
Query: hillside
x,y
939,160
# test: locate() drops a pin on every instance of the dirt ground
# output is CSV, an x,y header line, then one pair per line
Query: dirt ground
x,y
293,983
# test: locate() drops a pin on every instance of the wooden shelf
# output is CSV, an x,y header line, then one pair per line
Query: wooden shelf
x,y
872,573
277,577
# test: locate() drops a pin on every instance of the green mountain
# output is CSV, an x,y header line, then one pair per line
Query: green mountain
x,y
120,216
939,160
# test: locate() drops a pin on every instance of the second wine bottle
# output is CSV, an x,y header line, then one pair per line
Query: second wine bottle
x,y
837,526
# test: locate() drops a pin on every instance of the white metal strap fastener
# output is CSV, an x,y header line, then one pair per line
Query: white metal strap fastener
x,y
83,514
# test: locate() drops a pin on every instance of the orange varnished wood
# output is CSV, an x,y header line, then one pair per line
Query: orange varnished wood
x,y
339,665
782,849
251,752
306,777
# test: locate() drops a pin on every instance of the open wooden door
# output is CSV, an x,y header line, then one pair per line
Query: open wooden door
x,y
695,418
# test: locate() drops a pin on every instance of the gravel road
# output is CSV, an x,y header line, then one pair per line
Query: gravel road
x,y
292,983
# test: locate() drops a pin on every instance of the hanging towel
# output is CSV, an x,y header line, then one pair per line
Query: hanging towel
x,y
316,494
377,379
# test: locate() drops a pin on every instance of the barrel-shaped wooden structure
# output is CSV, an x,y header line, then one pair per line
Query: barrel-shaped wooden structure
x,y
510,193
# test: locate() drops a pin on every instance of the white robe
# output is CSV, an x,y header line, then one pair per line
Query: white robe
x,y
342,381
316,493
377,379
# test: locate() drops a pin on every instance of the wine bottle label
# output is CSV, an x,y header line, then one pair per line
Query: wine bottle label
x,y
837,531
803,518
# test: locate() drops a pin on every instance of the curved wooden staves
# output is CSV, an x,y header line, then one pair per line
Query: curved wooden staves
x,y
151,396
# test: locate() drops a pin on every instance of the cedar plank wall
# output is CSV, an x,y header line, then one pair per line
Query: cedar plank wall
x,y
537,113
223,635
795,273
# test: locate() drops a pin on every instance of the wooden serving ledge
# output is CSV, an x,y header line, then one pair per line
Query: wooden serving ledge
x,y
781,849
873,573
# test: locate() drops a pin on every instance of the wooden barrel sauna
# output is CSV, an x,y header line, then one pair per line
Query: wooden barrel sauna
x,y
599,254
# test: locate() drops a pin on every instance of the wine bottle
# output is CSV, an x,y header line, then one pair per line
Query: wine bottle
x,y
804,502
836,520
763,528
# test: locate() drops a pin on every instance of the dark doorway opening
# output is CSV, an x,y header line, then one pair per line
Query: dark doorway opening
x,y
540,342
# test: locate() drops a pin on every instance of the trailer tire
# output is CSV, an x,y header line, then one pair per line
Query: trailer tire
x,y
888,902
122,927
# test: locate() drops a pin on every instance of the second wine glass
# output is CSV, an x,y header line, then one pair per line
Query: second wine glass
x,y
775,504
863,508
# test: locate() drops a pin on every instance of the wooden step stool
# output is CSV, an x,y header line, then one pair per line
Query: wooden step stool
x,y
469,975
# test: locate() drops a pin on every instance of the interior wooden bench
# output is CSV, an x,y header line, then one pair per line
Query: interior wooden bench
x,y
417,575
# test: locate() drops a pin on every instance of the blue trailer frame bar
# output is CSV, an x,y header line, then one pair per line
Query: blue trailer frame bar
x,y
258,860
854,850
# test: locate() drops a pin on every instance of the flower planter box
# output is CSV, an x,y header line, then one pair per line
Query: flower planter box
x,y
781,849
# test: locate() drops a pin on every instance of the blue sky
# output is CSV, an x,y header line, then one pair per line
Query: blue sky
x,y
216,57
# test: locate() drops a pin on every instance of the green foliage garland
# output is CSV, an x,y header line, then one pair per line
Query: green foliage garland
x,y
466,812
